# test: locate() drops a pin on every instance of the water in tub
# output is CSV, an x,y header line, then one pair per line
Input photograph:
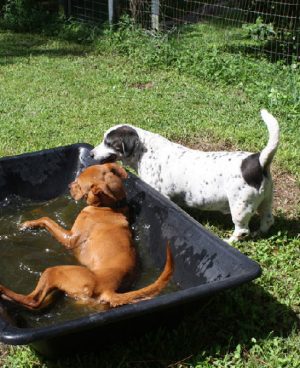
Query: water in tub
x,y
24,255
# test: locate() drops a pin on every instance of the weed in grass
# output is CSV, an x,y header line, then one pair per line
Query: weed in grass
x,y
22,357
260,30
72,30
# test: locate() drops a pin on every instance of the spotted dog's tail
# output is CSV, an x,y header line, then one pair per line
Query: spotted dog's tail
x,y
116,299
267,154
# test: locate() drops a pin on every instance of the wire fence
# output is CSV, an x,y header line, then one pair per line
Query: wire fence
x,y
95,11
272,26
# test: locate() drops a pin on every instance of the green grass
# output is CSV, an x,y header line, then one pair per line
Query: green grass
x,y
55,92
212,91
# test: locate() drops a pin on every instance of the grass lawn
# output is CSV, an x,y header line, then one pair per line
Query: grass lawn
x,y
54,92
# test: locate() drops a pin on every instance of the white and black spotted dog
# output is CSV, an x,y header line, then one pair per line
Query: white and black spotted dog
x,y
236,182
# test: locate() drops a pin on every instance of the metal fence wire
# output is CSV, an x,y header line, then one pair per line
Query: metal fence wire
x,y
95,11
273,27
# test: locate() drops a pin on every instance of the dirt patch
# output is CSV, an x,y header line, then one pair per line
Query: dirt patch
x,y
4,351
147,85
209,143
286,193
286,189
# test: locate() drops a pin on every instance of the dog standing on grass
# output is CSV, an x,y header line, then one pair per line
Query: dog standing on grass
x,y
239,182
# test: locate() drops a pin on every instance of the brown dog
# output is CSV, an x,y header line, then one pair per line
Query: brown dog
x,y
100,240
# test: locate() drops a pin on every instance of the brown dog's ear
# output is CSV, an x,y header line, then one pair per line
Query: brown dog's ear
x,y
99,194
92,199
101,188
76,191
118,170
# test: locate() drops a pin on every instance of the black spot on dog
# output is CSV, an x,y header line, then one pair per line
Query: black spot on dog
x,y
252,172
123,139
182,154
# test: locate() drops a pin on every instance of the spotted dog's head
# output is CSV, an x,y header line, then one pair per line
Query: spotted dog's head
x,y
119,143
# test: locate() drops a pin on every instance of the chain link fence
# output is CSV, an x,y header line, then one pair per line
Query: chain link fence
x,y
273,26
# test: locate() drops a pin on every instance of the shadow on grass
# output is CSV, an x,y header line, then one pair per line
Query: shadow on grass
x,y
289,226
15,46
209,328
273,51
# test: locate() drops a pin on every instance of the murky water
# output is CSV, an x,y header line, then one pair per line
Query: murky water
x,y
25,254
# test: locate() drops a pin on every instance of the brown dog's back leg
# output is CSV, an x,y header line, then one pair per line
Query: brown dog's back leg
x,y
76,281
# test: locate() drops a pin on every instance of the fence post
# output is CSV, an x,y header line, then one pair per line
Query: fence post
x,y
110,11
67,7
155,14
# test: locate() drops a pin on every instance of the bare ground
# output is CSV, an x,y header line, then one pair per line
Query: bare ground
x,y
4,350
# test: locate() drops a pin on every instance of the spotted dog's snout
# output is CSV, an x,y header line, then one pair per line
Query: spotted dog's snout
x,y
111,158
103,154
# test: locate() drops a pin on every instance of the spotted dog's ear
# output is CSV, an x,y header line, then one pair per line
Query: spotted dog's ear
x,y
118,170
129,143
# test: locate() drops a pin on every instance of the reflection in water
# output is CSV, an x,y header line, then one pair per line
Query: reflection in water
x,y
25,254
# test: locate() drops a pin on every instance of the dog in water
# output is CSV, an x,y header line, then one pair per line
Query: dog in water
x,y
101,240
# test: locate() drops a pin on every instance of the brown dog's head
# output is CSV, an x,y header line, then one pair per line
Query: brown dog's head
x,y
100,185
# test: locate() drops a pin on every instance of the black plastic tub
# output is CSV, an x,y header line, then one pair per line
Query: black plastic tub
x,y
204,264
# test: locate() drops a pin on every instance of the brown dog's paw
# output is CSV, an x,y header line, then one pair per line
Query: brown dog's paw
x,y
28,225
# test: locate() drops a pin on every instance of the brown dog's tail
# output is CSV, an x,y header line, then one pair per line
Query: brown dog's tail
x,y
116,299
